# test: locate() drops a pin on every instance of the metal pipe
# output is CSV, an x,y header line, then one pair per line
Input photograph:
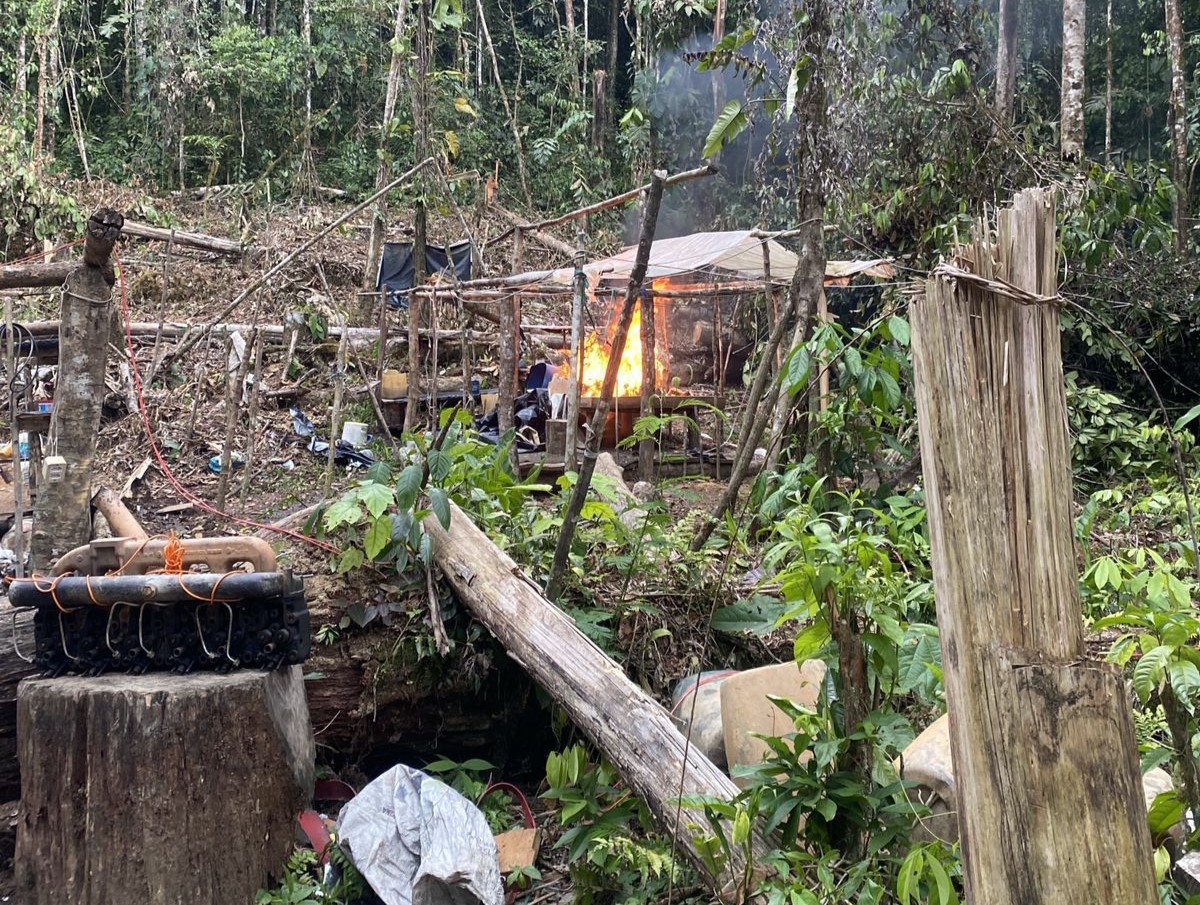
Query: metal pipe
x,y
198,587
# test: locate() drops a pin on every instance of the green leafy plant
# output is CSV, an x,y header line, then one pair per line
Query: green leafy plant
x,y
303,882
607,835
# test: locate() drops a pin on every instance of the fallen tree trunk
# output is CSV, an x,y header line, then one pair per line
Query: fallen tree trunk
x,y
631,728
180,237
35,276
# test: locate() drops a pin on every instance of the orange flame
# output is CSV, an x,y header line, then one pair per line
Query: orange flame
x,y
629,377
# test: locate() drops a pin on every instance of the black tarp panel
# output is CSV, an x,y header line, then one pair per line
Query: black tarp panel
x,y
396,270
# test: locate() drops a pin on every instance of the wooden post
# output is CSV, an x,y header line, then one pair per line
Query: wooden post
x,y
62,517
631,728
562,548
649,388
159,789
414,319
572,448
508,351
1050,800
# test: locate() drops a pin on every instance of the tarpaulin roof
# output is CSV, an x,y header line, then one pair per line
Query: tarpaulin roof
x,y
703,257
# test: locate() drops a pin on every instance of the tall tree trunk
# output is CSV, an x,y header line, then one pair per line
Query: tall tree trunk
x,y
50,137
1006,60
22,79
39,129
614,33
307,171
808,280
569,20
1108,80
1178,119
384,172
420,94
1073,46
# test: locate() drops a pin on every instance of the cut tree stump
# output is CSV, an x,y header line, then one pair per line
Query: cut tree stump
x,y
159,789
1045,756
16,627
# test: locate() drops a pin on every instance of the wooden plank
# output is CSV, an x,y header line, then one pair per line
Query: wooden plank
x,y
1050,804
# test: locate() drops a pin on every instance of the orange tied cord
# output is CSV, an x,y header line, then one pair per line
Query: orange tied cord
x,y
173,555
47,584
120,570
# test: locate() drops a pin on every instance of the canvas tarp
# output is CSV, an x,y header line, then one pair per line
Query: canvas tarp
x,y
712,257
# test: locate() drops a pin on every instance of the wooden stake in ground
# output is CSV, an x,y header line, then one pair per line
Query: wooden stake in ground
x,y
509,353
62,517
562,548
648,446
632,729
1046,764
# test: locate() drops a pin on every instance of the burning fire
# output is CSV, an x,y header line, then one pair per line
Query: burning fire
x,y
629,377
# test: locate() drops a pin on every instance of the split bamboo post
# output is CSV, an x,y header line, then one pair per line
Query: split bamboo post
x,y
1045,759
562,548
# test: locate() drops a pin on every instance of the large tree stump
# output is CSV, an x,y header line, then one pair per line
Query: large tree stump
x,y
159,789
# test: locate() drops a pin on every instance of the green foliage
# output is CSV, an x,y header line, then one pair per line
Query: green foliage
x,y
302,882
34,208
1110,442
471,779
610,853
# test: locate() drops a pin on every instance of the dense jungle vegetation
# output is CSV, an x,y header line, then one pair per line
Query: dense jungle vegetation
x,y
898,124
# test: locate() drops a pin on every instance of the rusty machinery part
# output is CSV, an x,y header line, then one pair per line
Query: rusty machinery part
x,y
139,556
179,623
112,606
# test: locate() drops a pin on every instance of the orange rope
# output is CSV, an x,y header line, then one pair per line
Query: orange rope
x,y
173,555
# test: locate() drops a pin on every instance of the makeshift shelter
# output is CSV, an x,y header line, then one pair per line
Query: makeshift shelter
x,y
715,258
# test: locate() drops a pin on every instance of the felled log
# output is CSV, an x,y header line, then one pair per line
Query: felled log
x,y
630,727
159,789
35,276
181,237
